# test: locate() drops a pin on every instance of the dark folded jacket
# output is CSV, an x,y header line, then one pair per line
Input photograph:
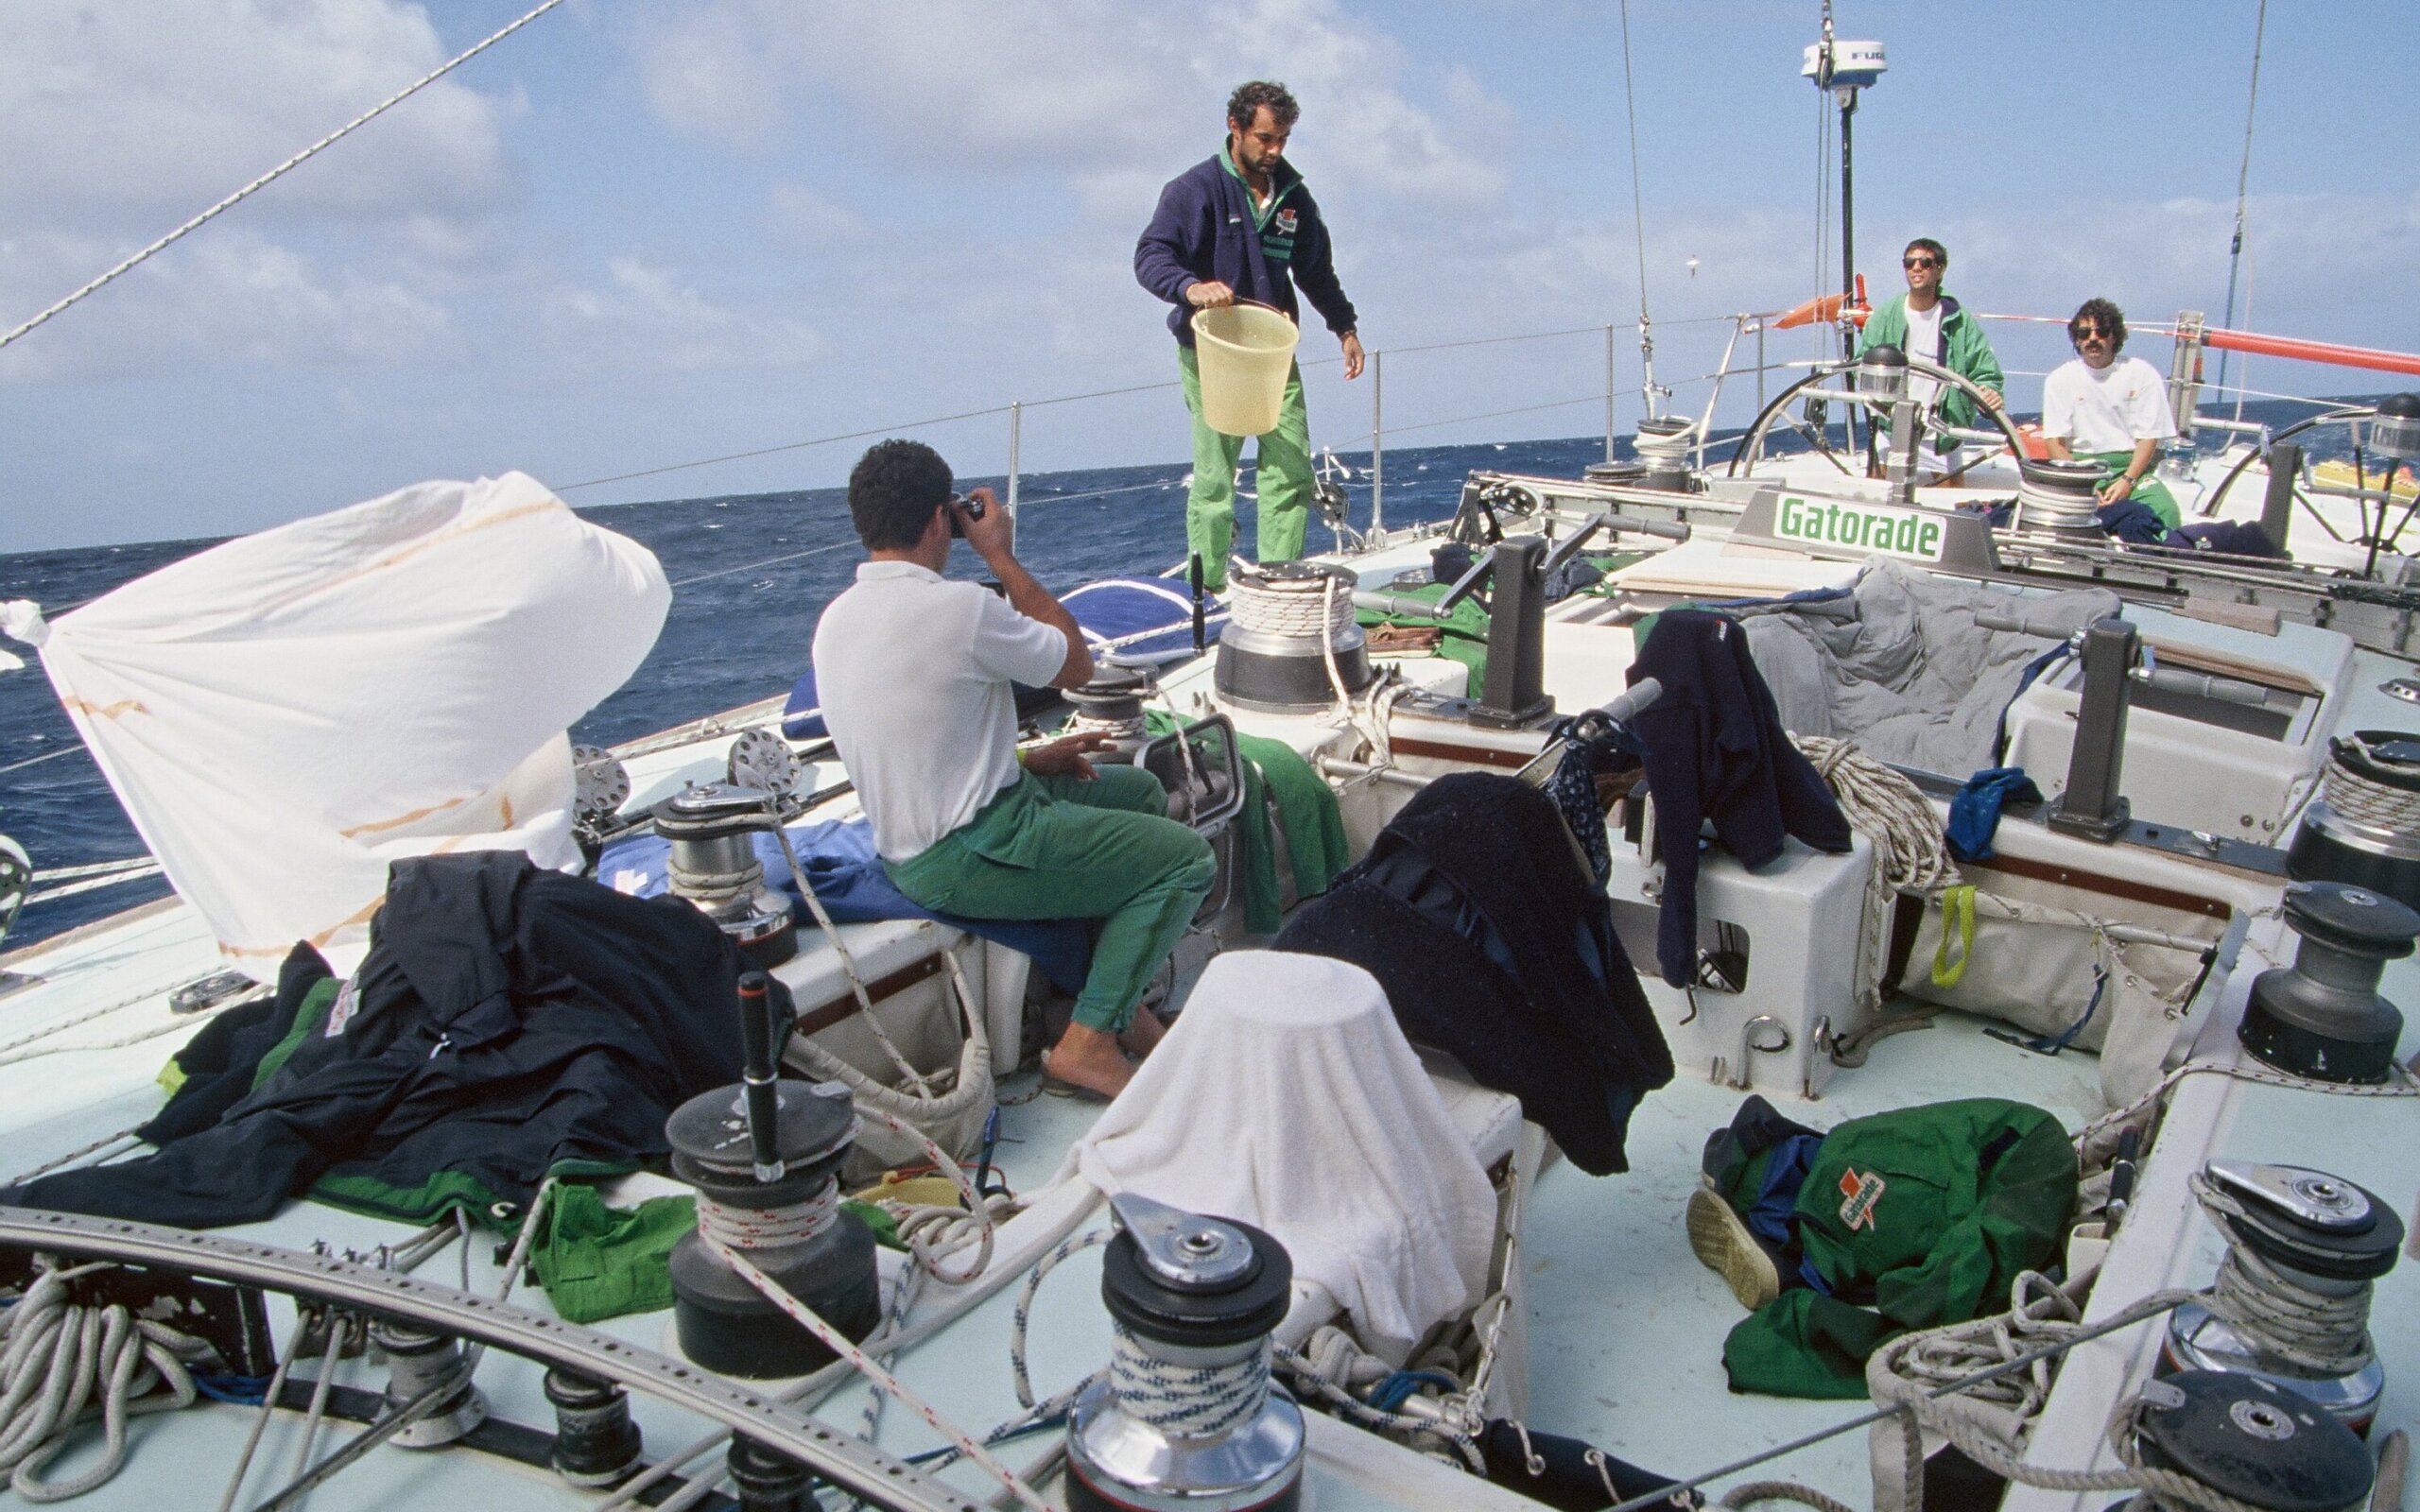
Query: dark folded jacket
x,y
1715,749
1495,945
509,1024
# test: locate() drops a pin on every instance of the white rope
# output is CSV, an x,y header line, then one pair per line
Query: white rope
x,y
914,1078
2366,801
65,1361
728,1227
2097,1139
1910,853
1295,608
2274,1312
280,171
1186,1400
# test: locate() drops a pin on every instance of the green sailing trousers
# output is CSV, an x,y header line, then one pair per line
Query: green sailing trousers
x,y
2148,491
1284,480
1063,847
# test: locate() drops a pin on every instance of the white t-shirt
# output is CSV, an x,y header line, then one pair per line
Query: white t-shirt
x,y
1923,344
2107,410
913,671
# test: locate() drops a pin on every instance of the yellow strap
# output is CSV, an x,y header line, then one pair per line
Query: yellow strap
x,y
1957,919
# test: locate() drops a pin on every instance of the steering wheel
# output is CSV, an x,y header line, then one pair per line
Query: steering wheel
x,y
1929,423
2209,506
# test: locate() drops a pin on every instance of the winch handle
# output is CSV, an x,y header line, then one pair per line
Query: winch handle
x,y
760,1096
1992,619
1622,525
1468,582
1629,705
1396,604
2204,685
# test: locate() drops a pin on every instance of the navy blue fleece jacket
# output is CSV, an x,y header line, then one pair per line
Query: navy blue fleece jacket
x,y
1715,749
1204,232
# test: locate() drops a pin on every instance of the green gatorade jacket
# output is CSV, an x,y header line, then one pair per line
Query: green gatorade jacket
x,y
1969,354
1913,1218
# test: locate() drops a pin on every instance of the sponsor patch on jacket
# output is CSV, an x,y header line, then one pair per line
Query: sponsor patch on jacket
x,y
348,999
1861,1192
1287,221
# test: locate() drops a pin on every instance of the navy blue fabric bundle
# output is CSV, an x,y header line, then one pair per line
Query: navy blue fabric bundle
x,y
1492,951
1975,812
839,858
1715,749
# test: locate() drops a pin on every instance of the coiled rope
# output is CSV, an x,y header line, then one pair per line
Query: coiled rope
x,y
1296,607
727,1227
1186,1400
2272,1311
66,1362
2365,800
1910,851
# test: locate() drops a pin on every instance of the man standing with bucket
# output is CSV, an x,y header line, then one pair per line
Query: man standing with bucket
x,y
1241,226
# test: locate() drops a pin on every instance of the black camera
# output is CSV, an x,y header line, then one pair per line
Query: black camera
x,y
974,508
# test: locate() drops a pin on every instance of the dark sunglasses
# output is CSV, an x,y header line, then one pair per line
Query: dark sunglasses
x,y
2087,333
1920,262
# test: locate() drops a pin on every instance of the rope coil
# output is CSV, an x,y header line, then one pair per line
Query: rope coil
x,y
732,1227
2274,1312
1186,1400
1296,607
66,1362
2364,800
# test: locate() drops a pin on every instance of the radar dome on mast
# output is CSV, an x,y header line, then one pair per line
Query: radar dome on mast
x,y
1852,65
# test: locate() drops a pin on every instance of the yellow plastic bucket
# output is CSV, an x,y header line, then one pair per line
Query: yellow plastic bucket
x,y
1245,351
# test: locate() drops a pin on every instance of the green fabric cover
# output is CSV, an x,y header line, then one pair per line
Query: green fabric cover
x,y
1973,1193
1275,772
2148,491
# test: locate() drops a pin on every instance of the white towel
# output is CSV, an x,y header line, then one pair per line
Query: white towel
x,y
1286,1096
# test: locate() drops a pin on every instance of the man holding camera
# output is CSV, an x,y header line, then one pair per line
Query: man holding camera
x,y
1240,226
916,674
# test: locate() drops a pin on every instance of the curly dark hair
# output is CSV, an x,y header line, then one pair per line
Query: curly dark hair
x,y
1244,106
1925,244
893,490
2104,315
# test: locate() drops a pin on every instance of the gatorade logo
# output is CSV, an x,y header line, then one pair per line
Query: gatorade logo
x,y
1860,527
1286,221
1863,1193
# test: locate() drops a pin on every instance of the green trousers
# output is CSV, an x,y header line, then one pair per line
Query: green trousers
x,y
1283,481
1062,848
2149,489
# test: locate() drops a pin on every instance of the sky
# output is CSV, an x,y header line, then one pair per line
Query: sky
x,y
635,235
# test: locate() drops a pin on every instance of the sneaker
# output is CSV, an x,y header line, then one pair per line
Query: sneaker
x,y
1721,1242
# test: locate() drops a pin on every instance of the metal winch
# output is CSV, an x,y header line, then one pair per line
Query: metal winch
x,y
2061,497
764,1155
2304,1248
423,1363
1187,1418
2365,826
1111,704
1663,447
1291,644
2248,1439
714,864
2322,1017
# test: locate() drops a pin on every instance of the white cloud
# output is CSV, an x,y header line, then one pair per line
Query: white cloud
x,y
147,111
802,218
954,89
648,316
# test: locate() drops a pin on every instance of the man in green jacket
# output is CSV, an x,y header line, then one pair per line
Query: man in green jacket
x,y
1930,325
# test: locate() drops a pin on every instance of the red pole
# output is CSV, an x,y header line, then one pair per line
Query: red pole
x,y
2326,351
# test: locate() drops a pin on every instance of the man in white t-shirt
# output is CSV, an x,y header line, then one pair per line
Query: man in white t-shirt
x,y
2111,410
917,676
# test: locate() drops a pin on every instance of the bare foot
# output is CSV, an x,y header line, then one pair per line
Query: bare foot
x,y
1089,1058
1144,1035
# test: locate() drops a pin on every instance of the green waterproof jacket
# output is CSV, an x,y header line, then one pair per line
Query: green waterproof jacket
x,y
1916,1217
1969,355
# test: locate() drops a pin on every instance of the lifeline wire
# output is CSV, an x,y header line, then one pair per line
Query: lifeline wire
x,y
279,172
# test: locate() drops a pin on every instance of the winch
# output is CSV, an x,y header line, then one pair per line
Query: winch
x,y
2248,1439
2060,496
1187,1418
2365,826
421,1361
714,864
1663,447
1290,644
2322,1017
1111,705
764,1155
2290,1305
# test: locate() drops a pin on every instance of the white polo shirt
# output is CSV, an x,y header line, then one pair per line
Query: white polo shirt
x,y
913,671
2108,409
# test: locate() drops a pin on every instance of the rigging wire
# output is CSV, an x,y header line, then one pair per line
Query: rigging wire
x,y
2243,177
278,172
1637,219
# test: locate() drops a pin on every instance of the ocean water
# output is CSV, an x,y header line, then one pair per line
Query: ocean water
x,y
750,575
